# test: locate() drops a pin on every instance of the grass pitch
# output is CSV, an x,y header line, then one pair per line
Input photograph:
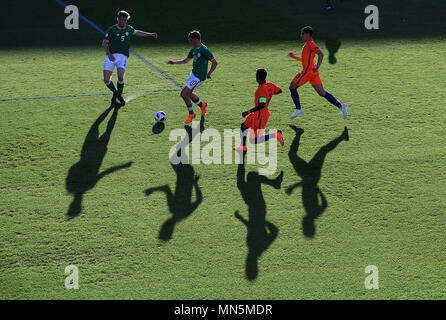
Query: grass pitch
x,y
384,188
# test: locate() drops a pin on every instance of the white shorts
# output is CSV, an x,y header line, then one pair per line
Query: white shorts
x,y
193,82
120,62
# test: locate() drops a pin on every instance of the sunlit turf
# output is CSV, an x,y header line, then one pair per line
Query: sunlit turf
x,y
385,187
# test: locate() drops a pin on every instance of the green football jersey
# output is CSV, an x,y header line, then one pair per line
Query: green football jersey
x,y
119,39
201,58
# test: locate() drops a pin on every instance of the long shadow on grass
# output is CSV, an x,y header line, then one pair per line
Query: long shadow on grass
x,y
260,233
84,175
180,202
310,172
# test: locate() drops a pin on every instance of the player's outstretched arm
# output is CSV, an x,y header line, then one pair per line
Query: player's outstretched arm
x,y
292,55
140,33
185,60
260,106
213,67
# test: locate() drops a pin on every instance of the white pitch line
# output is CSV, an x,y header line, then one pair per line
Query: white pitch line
x,y
83,95
147,63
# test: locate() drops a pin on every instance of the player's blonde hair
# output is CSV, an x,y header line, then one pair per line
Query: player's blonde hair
x,y
124,13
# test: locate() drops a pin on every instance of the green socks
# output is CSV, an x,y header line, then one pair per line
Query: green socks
x,y
198,102
190,109
112,87
120,88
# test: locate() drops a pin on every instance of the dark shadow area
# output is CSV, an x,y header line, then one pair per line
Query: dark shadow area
x,y
260,232
158,127
180,202
310,173
228,21
333,46
84,175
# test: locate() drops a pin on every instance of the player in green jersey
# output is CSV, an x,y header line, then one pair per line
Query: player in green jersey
x,y
201,55
116,44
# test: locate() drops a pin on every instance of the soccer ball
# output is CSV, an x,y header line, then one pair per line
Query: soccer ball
x,y
160,116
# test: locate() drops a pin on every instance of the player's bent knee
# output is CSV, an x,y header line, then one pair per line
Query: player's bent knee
x,y
185,93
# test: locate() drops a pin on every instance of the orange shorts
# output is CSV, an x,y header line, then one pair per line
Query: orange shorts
x,y
257,120
301,78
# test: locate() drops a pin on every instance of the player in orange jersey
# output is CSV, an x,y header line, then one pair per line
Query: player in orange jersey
x,y
310,73
258,116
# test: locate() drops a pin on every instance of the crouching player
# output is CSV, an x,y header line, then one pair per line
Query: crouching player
x,y
258,116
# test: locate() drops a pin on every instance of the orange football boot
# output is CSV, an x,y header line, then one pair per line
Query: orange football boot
x,y
203,108
190,117
279,137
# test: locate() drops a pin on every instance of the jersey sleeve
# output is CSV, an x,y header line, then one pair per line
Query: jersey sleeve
x,y
314,47
208,54
132,30
190,54
276,89
108,34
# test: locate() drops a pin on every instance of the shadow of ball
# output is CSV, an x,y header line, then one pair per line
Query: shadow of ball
x,y
158,128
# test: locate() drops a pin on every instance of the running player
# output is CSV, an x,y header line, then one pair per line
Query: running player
x,y
201,55
310,72
116,44
259,115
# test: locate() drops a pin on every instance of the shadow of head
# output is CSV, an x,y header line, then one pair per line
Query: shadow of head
x,y
252,177
333,46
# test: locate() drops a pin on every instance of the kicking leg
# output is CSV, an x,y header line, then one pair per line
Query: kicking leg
x,y
196,99
261,138
243,133
186,95
330,98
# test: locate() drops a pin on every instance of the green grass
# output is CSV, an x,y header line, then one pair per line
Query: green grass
x,y
385,187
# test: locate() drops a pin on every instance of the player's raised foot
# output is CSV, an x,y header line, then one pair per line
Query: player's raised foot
x,y
203,108
279,137
344,110
240,148
113,99
121,100
296,113
190,117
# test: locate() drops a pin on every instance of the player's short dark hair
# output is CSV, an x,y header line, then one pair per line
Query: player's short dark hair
x,y
194,34
261,73
123,13
308,30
